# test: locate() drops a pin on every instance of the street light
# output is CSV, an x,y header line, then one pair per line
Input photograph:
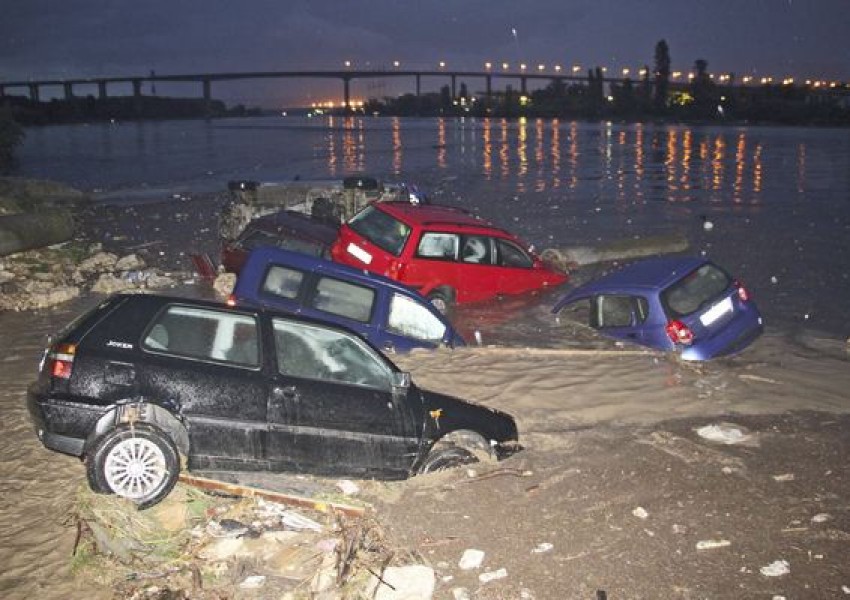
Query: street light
x,y
488,65
576,68
557,68
442,64
505,66
541,67
626,72
523,67
396,64
347,64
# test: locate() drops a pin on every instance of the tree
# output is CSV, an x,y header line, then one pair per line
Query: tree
x,y
11,136
662,74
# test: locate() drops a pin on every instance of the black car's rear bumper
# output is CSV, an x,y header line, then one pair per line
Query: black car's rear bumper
x,y
62,426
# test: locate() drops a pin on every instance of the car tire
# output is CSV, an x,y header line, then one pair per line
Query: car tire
x,y
447,456
442,300
138,462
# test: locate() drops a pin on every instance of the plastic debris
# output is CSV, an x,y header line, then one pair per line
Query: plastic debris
x,y
708,225
471,559
712,544
542,547
723,434
846,589
348,487
403,583
253,582
776,569
784,477
493,575
640,512
461,594
821,518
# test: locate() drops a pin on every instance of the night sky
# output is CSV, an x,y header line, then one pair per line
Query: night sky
x,y
42,39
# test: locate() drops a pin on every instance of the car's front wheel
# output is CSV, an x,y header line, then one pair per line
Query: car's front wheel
x,y
136,462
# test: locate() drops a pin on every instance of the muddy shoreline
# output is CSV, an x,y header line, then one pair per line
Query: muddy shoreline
x,y
605,433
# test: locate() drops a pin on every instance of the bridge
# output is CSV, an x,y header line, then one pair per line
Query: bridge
x,y
345,76
206,80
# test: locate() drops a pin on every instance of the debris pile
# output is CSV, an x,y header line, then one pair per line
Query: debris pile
x,y
42,278
196,545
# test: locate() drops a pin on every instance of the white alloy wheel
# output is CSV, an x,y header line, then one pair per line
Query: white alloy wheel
x,y
135,468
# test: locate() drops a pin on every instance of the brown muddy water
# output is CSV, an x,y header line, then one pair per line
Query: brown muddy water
x,y
551,392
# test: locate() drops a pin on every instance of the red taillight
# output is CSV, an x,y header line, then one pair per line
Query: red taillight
x,y
231,300
62,360
743,294
679,333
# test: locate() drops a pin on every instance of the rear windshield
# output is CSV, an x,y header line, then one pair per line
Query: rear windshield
x,y
695,290
381,229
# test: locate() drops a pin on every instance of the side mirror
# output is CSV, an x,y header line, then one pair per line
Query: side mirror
x,y
401,380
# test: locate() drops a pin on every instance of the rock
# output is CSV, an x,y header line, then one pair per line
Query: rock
x,y
110,284
99,263
224,283
411,582
471,559
131,262
253,582
493,575
156,281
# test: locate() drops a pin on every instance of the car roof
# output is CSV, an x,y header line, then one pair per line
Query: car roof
x,y
265,254
652,273
159,300
295,221
434,214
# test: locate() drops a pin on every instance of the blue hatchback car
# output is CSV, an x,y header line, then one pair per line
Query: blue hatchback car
x,y
393,317
684,304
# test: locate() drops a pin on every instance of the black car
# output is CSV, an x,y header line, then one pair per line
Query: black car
x,y
141,380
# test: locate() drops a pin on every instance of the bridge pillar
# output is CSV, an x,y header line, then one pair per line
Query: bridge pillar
x,y
69,91
137,88
523,85
207,84
346,94
418,85
101,89
454,87
2,91
488,81
33,92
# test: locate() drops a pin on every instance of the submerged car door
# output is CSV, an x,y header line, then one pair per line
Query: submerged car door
x,y
333,408
204,363
620,316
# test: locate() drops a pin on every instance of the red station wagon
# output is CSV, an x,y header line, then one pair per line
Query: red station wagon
x,y
443,252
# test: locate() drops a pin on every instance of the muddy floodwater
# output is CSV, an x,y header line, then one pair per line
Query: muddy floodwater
x,y
771,205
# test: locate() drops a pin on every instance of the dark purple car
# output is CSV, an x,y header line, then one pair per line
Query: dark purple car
x,y
684,304
285,229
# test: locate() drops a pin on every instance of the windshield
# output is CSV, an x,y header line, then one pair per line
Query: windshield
x,y
695,290
381,229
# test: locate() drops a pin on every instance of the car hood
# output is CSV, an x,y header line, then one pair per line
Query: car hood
x,y
444,414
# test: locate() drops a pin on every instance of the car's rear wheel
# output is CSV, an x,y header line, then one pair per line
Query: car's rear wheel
x,y
447,456
441,299
136,462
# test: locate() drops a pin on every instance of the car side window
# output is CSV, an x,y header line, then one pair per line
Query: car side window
x,y
256,238
411,319
311,352
205,334
438,245
617,311
344,299
283,281
476,249
511,255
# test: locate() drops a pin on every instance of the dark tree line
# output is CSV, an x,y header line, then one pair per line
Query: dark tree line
x,y
652,97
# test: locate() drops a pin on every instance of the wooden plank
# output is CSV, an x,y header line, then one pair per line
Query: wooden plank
x,y
288,499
